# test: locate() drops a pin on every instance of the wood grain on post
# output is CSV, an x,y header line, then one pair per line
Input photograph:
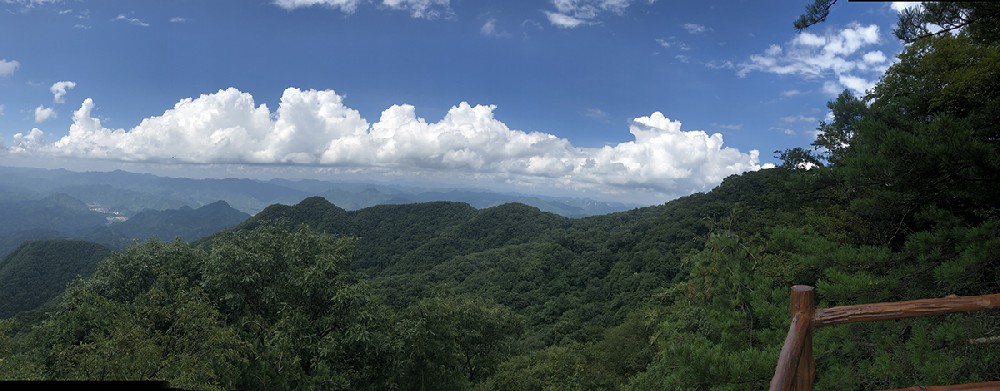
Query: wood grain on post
x,y
787,372
903,309
803,302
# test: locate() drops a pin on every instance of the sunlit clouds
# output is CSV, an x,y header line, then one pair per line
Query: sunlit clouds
x,y
839,57
316,128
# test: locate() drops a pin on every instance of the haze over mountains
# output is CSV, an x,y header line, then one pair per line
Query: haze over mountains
x,y
129,193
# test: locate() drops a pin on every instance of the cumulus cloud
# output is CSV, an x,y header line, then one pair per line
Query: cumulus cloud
x,y
315,128
7,68
28,142
574,13
836,56
423,9
59,90
43,114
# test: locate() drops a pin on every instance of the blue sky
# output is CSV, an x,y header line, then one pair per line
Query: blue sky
x,y
630,100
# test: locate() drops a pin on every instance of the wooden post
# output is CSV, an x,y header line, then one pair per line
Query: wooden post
x,y
796,369
804,304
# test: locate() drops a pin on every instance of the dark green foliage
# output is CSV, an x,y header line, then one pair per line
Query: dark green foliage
x,y
454,342
978,18
692,294
38,271
816,12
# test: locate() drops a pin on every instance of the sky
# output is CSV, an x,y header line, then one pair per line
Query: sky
x,y
637,101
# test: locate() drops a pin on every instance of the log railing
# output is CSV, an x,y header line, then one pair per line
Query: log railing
x,y
796,369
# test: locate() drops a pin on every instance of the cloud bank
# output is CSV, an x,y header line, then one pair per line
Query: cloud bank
x,y
838,56
315,128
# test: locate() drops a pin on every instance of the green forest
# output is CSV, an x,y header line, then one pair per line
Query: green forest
x,y
897,199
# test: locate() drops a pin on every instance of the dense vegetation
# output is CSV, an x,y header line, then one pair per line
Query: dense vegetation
x,y
39,271
895,201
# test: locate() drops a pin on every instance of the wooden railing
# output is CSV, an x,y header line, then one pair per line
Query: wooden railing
x,y
796,369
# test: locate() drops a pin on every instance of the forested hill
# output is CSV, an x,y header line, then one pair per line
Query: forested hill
x,y
38,271
555,271
896,200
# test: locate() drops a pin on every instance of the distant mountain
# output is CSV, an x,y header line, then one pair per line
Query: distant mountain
x,y
38,271
129,193
134,192
61,216
124,201
57,213
166,225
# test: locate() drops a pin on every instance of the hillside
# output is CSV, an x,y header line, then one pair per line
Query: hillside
x,y
38,271
895,200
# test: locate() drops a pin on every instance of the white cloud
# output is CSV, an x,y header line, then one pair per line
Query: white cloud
x,y
345,6
424,9
798,118
874,57
315,128
28,142
573,13
563,21
32,3
808,39
7,68
789,93
836,56
43,114
1,110
489,29
177,19
59,90
132,21
900,6
694,28
720,65
672,42
856,84
832,88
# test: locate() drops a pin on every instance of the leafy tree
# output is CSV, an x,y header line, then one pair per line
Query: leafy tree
x,y
816,12
979,19
140,318
456,341
308,320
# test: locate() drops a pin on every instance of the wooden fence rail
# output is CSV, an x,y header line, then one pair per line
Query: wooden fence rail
x,y
796,368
